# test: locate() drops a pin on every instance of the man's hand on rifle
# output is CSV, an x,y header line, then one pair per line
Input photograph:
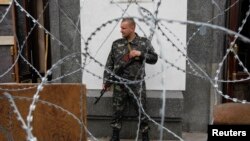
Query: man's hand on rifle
x,y
134,53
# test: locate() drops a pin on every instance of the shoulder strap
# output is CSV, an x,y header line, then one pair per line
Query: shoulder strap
x,y
129,47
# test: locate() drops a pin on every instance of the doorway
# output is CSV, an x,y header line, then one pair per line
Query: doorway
x,y
234,70
36,49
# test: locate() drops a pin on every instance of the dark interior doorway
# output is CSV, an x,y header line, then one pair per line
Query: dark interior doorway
x,y
233,69
36,49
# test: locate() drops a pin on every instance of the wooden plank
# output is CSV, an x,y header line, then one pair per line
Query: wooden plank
x,y
5,2
232,113
49,123
15,44
7,40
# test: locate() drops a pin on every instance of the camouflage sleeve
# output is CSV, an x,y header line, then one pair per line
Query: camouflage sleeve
x,y
108,67
150,55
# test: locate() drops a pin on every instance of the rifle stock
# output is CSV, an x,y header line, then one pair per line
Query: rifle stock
x,y
102,92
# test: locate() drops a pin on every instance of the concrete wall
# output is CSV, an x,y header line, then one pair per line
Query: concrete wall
x,y
206,49
65,28
95,12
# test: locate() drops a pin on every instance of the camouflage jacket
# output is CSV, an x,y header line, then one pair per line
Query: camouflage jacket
x,y
135,68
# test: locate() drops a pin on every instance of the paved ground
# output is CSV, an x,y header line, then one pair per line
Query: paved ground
x,y
194,136
186,137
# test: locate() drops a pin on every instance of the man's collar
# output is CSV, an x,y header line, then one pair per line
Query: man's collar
x,y
135,40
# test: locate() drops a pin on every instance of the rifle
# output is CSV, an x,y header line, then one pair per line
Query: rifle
x,y
107,85
118,72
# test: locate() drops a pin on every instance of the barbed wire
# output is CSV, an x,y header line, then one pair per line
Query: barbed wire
x,y
156,25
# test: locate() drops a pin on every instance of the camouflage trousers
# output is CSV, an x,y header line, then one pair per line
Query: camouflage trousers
x,y
121,96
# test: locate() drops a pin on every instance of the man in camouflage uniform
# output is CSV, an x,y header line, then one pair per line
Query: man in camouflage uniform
x,y
127,59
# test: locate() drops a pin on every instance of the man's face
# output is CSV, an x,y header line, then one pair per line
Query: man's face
x,y
126,29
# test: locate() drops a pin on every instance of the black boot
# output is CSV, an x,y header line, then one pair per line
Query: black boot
x,y
115,136
145,136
